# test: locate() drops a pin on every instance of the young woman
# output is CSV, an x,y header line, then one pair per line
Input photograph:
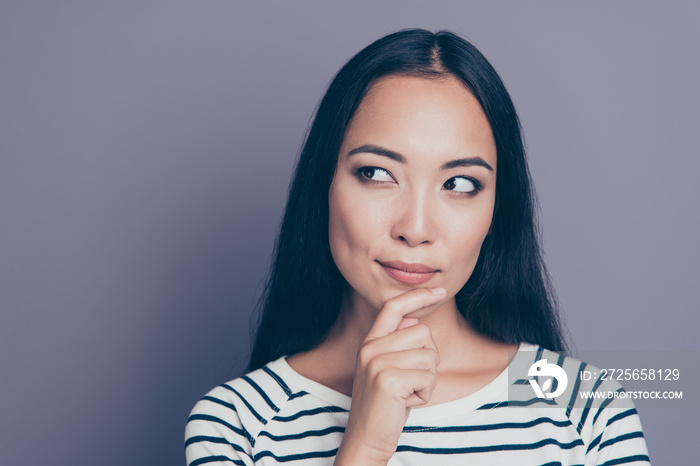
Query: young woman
x,y
408,298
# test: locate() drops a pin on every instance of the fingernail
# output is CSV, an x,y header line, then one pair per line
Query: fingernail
x,y
438,291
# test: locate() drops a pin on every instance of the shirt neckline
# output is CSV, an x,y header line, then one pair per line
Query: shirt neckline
x,y
496,389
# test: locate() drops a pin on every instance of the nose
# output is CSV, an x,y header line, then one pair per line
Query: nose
x,y
414,221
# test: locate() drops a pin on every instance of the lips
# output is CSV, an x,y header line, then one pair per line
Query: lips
x,y
410,274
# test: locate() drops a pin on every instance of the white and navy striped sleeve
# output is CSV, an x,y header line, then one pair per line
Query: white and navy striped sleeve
x,y
615,433
609,427
223,425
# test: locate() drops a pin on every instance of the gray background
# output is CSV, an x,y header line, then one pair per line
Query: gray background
x,y
145,153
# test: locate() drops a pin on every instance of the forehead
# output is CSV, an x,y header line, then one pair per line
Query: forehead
x,y
417,116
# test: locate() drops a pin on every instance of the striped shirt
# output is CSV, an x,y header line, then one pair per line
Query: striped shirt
x,y
275,415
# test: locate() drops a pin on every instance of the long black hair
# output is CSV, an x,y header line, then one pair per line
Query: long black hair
x,y
508,296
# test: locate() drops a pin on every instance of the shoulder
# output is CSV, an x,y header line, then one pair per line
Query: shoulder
x,y
601,411
226,421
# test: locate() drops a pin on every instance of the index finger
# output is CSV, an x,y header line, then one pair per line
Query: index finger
x,y
395,309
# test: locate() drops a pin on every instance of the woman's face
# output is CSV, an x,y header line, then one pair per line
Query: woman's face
x,y
413,194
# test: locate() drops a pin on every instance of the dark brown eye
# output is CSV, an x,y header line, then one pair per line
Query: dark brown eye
x,y
461,184
374,174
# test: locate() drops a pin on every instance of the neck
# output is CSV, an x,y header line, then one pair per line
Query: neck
x,y
468,360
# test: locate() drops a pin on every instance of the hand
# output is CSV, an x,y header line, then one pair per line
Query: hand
x,y
396,369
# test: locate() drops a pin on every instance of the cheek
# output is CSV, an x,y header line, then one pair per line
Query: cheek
x,y
356,232
340,237
346,236
467,235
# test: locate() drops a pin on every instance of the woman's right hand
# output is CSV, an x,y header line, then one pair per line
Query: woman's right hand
x,y
396,370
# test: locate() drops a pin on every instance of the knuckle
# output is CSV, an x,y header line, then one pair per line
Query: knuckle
x,y
424,361
386,380
364,355
374,368
430,379
430,355
434,353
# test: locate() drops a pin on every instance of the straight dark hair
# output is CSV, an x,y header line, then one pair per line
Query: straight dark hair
x,y
508,297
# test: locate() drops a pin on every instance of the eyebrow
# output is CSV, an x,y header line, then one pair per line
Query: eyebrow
x,y
464,162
